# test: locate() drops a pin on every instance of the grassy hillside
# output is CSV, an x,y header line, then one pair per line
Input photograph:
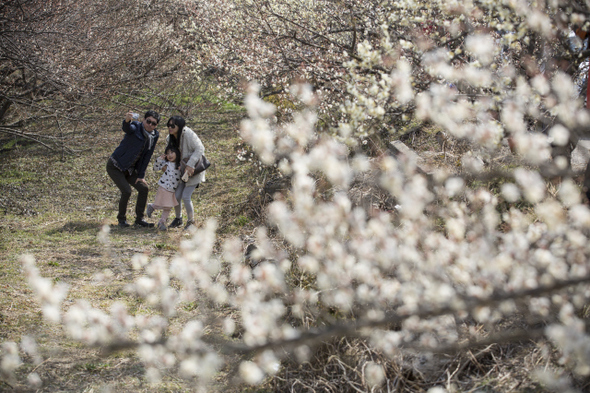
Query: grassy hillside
x,y
53,209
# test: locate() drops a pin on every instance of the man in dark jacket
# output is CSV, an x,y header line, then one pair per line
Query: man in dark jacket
x,y
129,161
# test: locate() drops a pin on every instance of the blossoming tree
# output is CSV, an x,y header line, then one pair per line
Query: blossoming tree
x,y
61,62
382,62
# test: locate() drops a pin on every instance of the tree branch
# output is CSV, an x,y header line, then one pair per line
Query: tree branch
x,y
353,329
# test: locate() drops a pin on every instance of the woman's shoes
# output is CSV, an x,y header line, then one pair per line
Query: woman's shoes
x,y
189,224
162,226
176,222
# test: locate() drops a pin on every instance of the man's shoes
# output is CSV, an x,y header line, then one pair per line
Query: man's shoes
x,y
124,224
189,224
142,223
175,223
150,210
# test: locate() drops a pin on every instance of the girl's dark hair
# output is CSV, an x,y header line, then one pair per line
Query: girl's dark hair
x,y
180,123
173,148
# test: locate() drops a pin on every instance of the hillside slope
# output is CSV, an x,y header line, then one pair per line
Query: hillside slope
x,y
54,208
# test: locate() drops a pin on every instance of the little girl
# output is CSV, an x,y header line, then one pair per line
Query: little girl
x,y
165,199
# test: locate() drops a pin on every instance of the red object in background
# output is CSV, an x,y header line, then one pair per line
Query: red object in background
x,y
583,34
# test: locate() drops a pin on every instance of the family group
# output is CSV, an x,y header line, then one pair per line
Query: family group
x,y
128,164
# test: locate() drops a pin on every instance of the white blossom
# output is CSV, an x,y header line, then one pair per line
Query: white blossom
x,y
531,183
454,186
374,374
559,135
251,373
510,192
569,193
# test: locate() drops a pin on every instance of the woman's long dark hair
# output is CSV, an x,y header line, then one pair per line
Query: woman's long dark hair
x,y
180,123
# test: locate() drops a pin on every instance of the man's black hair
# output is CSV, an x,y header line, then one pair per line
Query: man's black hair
x,y
152,113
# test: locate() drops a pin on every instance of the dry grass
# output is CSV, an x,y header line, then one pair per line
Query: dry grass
x,y
53,209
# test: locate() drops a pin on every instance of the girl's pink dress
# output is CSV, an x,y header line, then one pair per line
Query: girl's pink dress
x,y
164,198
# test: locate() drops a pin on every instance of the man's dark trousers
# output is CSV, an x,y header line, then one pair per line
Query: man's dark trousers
x,y
125,181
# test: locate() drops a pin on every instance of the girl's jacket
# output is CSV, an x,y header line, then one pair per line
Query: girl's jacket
x,y
171,178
